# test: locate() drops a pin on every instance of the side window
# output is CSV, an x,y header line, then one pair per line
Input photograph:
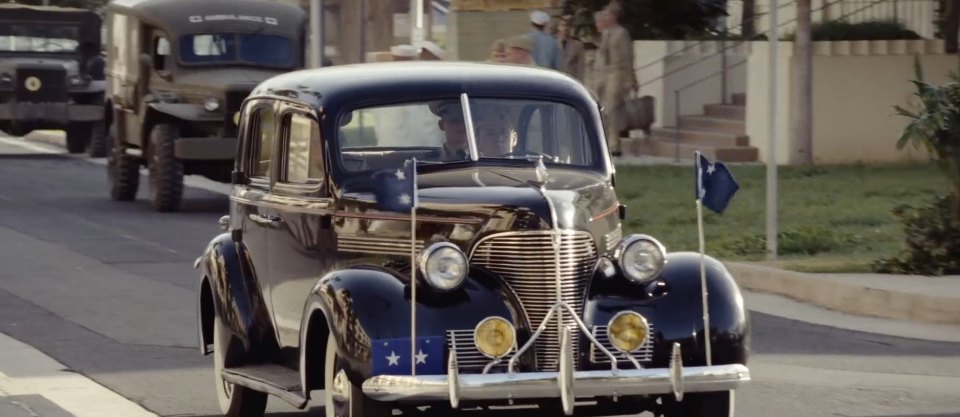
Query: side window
x,y
304,153
262,139
161,53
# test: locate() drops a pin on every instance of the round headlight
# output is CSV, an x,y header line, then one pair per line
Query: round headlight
x,y
494,337
211,104
627,331
641,257
443,266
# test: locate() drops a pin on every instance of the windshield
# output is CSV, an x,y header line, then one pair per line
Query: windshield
x,y
220,48
34,37
436,131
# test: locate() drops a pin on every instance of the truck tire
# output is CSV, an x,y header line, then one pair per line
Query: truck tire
x,y
78,135
123,171
97,147
166,171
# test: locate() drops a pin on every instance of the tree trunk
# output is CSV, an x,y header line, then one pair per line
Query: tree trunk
x,y
951,15
803,86
747,26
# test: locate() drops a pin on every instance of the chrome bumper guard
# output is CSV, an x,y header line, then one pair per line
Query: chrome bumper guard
x,y
566,384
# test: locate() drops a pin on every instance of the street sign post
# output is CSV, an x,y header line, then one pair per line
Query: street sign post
x,y
774,130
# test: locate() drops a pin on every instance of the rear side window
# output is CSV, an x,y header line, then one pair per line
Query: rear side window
x,y
263,138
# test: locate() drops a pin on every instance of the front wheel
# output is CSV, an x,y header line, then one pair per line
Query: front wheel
x,y
700,404
97,147
123,171
235,401
166,171
78,135
342,398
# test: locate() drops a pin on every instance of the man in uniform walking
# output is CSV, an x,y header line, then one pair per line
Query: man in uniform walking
x,y
572,57
614,73
546,49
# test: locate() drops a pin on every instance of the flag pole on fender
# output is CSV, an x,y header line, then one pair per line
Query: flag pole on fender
x,y
413,270
715,187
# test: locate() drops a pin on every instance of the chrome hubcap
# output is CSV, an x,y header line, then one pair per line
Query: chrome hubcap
x,y
341,387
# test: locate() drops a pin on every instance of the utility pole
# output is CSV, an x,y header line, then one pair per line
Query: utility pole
x,y
316,33
803,86
772,145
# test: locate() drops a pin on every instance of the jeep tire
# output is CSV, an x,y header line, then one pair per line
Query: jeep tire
x,y
97,146
166,171
78,135
123,171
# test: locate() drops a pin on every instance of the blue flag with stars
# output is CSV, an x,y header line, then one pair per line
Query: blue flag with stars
x,y
392,356
715,184
396,189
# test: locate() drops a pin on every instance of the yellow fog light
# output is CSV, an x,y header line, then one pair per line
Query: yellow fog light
x,y
494,337
627,331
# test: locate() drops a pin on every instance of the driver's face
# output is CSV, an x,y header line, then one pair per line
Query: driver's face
x,y
455,131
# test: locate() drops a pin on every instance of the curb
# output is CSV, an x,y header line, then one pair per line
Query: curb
x,y
846,297
50,137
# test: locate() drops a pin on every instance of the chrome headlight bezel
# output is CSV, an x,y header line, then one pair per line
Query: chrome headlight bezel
x,y
211,104
641,242
440,284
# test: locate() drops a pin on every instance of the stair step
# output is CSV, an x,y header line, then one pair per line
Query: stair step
x,y
739,99
700,137
686,151
726,111
272,379
713,124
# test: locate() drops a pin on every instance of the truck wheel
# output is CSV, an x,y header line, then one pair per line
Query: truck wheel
x,y
78,135
700,404
166,171
123,171
341,397
97,148
234,400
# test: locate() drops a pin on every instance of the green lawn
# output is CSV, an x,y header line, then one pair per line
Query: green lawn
x,y
831,218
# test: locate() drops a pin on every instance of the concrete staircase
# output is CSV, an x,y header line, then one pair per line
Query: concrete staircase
x,y
720,134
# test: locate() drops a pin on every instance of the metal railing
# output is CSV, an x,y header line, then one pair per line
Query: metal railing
x,y
865,5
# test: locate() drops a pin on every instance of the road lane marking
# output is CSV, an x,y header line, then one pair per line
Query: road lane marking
x,y
27,371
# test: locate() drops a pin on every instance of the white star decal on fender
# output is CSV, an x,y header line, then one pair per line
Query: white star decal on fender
x,y
393,359
421,357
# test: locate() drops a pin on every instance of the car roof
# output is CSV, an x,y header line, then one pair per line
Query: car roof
x,y
182,17
359,85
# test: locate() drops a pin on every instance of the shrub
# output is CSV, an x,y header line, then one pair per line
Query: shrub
x,y
933,241
802,240
838,30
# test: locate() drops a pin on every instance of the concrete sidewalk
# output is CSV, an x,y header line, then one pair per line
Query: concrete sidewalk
x,y
920,299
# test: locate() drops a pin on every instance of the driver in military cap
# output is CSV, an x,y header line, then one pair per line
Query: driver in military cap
x,y
456,145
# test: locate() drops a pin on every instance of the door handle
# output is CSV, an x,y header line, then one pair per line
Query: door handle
x,y
265,219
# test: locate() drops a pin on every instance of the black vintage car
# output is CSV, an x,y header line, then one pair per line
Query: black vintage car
x,y
508,237
178,71
51,73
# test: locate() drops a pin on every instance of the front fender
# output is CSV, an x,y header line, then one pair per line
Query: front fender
x,y
675,310
186,111
367,303
229,290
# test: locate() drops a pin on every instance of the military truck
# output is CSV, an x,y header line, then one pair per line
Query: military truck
x,y
51,73
177,74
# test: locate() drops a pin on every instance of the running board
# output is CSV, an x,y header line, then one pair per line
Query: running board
x,y
275,380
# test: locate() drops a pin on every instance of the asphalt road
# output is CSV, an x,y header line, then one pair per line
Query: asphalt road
x,y
108,289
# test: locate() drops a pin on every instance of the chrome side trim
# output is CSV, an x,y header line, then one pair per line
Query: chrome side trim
x,y
422,388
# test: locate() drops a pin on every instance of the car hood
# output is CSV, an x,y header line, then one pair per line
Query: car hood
x,y
9,65
504,198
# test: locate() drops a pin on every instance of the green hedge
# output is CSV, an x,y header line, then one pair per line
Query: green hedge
x,y
845,31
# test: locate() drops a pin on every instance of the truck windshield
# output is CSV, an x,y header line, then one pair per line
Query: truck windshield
x,y
20,37
240,48
376,138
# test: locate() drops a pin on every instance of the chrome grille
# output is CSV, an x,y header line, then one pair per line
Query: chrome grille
x,y
526,261
469,358
644,355
376,245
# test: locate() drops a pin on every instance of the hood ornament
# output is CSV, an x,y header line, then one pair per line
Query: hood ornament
x,y
542,175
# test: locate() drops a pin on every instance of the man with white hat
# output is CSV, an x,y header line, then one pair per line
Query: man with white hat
x,y
546,48
403,53
430,51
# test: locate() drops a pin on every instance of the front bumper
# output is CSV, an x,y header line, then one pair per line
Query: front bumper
x,y
58,113
606,383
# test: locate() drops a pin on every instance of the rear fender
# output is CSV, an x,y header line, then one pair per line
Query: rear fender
x,y
367,303
229,290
